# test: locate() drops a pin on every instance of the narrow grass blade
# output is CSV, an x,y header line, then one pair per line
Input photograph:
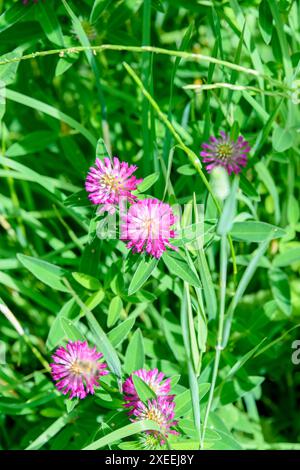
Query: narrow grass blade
x,y
126,431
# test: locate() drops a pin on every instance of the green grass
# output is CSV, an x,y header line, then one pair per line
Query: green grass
x,y
149,81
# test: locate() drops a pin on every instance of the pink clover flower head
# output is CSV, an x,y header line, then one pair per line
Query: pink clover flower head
x,y
76,369
154,379
231,155
161,411
147,227
109,181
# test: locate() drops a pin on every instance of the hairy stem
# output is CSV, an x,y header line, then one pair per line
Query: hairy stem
x,y
155,50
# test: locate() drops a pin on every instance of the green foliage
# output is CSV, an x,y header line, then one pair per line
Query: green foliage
x,y
218,315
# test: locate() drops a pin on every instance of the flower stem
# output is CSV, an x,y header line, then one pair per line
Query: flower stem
x,y
219,347
191,155
143,49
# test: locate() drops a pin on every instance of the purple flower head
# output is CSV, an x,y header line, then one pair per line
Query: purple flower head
x,y
222,151
77,369
161,411
109,181
148,227
154,379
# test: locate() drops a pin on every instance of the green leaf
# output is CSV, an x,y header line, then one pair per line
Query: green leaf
x,y
186,170
195,399
89,282
72,333
47,17
52,430
13,15
251,231
208,287
101,149
70,404
187,426
142,274
177,266
287,258
95,299
192,233
248,188
281,290
240,362
2,100
284,48
147,182
265,21
104,345
67,60
13,407
229,210
130,445
293,210
227,442
64,63
189,334
143,390
98,7
48,273
183,401
235,131
78,199
8,72
187,444
267,179
279,339
158,5
265,131
27,174
51,111
202,330
282,139
122,433
237,388
167,152
94,64
134,357
56,334
89,263
242,286
120,332
31,143
114,311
